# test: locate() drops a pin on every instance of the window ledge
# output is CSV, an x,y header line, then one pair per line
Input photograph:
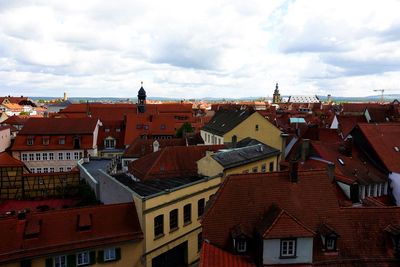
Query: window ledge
x,y
159,236
173,230
287,257
187,223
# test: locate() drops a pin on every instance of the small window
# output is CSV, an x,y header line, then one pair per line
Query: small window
x,y
69,169
158,226
139,126
200,207
68,155
107,130
38,156
271,166
60,156
51,156
51,169
241,245
254,169
24,157
44,156
146,127
45,141
199,241
32,170
109,254
30,141
39,170
61,141
118,130
45,170
257,128
82,258
61,169
382,189
109,143
330,243
60,261
187,213
173,219
31,156
263,167
245,171
288,248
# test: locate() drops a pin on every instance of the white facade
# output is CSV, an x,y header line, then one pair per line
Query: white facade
x,y
303,251
211,139
5,139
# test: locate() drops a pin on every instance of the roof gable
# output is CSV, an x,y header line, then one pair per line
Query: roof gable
x,y
225,120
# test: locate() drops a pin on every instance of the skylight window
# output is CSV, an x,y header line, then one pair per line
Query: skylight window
x,y
341,161
397,149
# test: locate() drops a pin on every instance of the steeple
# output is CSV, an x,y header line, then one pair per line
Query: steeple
x,y
141,99
276,97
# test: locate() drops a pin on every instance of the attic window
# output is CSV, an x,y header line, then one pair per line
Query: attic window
x,y
30,140
84,222
45,140
341,161
61,140
397,149
240,245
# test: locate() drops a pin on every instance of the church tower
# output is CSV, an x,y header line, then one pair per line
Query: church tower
x,y
141,104
276,96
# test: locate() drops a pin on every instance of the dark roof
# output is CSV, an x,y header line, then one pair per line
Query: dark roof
x,y
239,156
58,231
154,186
50,126
225,120
248,141
65,103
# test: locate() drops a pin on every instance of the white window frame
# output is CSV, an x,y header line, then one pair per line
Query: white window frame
x,y
241,245
30,141
44,156
109,143
61,169
288,248
45,170
38,156
60,156
68,155
82,258
76,155
330,243
69,169
110,254
24,157
39,170
60,261
31,157
51,156
51,169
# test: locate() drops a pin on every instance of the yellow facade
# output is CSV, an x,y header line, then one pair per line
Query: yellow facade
x,y
259,128
209,167
162,205
130,256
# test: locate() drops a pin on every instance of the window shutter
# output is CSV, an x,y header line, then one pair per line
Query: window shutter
x,y
49,262
92,257
118,254
100,256
71,260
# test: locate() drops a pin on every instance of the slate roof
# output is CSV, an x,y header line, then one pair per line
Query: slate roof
x,y
212,256
239,156
109,225
225,120
383,138
65,103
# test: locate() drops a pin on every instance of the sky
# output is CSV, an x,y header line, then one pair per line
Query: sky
x,y
194,49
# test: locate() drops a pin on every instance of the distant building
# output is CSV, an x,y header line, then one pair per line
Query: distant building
x,y
5,138
276,98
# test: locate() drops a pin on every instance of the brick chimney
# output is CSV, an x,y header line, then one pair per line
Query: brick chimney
x,y
293,171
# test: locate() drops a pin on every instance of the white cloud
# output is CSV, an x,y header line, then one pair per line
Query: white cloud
x,y
198,48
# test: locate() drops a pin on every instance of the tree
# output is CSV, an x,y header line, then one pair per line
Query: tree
x,y
185,128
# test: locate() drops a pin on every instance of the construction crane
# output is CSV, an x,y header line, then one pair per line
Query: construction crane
x,y
382,91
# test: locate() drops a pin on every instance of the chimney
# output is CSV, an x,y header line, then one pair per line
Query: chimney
x,y
156,146
305,149
234,141
348,146
331,171
293,171
284,136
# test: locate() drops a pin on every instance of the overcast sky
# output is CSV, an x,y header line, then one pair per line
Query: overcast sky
x,y
199,48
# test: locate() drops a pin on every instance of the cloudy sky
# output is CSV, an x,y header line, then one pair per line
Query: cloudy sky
x,y
199,48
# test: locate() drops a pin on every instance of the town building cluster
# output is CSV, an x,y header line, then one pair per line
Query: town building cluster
x,y
292,182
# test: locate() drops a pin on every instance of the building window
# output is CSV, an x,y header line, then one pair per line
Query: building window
x,y
45,170
139,126
69,169
187,213
109,254
31,156
173,219
257,127
146,127
200,207
240,245
106,130
255,169
51,169
68,155
30,141
118,130
158,226
60,261
51,156
76,155
61,141
382,189
82,258
24,157
45,141
44,156
263,167
61,169
330,243
109,143
199,241
271,166
288,248
32,170
39,170
38,156
60,156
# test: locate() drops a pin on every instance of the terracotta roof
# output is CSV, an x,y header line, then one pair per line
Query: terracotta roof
x,y
384,138
16,120
8,161
211,256
14,99
170,162
50,126
357,107
34,205
141,147
348,123
13,106
110,224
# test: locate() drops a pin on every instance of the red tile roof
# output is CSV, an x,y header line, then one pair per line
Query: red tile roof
x,y
16,120
383,138
347,123
357,107
110,224
59,126
8,161
14,99
141,147
170,162
32,205
211,256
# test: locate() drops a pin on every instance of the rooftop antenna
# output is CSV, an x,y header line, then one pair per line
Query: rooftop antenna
x,y
382,91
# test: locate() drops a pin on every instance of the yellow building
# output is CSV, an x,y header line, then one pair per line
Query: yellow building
x,y
231,126
106,235
256,157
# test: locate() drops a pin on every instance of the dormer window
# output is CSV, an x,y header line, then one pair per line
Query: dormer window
x,y
30,141
329,238
45,140
330,243
61,140
240,245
